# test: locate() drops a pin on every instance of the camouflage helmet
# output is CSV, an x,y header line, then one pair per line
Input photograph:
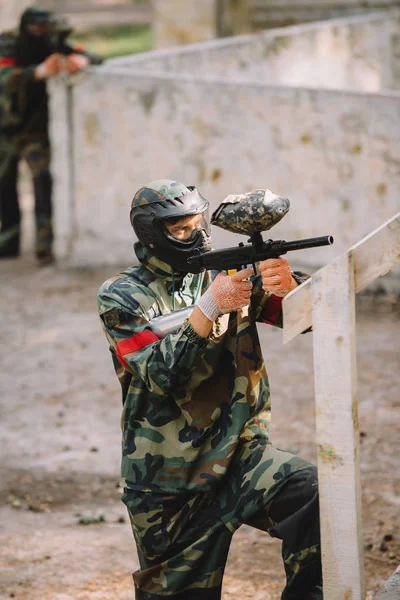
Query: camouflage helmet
x,y
163,200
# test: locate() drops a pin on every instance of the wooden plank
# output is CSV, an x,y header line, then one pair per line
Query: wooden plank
x,y
337,435
373,256
377,253
297,307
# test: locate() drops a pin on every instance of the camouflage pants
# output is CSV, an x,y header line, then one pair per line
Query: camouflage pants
x,y
37,155
183,540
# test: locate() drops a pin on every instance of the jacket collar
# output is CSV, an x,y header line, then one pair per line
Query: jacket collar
x,y
159,268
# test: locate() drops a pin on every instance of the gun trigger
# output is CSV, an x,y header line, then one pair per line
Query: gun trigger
x,y
232,271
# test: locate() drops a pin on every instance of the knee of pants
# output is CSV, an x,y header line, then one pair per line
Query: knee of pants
x,y
295,511
300,490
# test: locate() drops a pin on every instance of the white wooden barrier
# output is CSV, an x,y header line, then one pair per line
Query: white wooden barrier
x,y
327,302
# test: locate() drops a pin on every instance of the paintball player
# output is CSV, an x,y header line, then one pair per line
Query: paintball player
x,y
28,58
197,462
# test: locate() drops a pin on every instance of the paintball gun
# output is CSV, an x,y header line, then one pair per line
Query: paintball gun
x,y
248,214
242,255
60,29
228,259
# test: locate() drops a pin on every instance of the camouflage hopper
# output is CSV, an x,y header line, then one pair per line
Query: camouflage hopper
x,y
256,211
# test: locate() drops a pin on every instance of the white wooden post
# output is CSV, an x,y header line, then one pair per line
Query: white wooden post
x,y
337,435
327,302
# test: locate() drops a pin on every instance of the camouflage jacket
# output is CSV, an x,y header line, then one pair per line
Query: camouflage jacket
x,y
187,400
23,99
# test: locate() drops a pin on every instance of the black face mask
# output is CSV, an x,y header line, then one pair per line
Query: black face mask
x,y
149,224
175,251
32,49
177,256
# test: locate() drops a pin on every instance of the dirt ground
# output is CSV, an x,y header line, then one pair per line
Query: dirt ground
x,y
64,533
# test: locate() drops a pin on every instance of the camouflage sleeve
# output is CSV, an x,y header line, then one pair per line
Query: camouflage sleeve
x,y
267,306
163,365
11,76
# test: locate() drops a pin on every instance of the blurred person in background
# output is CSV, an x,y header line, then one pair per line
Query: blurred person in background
x,y
196,456
29,57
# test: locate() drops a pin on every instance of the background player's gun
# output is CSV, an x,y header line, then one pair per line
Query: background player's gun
x,y
60,29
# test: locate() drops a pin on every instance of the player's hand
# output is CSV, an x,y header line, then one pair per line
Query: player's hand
x,y
75,63
49,67
276,276
226,294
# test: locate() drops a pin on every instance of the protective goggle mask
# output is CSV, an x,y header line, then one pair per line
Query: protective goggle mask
x,y
187,230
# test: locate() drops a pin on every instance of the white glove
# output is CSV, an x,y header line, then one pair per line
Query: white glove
x,y
49,67
226,294
75,63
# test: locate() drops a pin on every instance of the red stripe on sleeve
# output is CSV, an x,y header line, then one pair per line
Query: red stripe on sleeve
x,y
7,62
273,309
135,343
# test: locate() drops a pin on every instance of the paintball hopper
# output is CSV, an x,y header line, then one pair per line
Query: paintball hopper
x,y
256,211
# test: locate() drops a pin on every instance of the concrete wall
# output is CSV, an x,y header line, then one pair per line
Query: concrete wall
x,y
187,21
176,22
10,12
278,13
360,53
334,154
194,115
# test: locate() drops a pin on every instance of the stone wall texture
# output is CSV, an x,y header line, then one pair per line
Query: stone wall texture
x,y
359,53
10,12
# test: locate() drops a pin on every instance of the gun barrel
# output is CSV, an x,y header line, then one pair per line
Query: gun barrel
x,y
246,254
324,240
